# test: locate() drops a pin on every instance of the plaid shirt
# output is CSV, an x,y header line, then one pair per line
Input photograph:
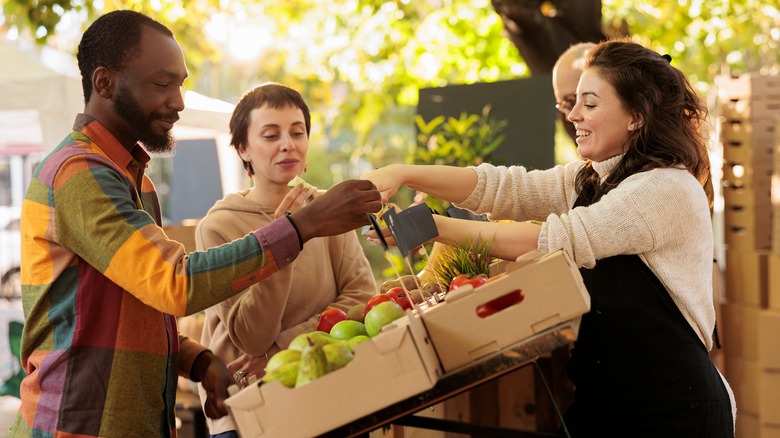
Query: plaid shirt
x,y
102,285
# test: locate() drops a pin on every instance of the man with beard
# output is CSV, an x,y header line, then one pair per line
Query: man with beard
x,y
102,283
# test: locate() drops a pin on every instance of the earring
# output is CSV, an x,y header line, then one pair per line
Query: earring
x,y
305,168
632,126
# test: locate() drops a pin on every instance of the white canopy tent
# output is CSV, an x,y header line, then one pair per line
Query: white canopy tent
x,y
46,81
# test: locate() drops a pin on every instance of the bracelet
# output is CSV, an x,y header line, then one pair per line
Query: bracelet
x,y
287,214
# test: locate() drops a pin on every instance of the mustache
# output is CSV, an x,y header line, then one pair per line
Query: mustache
x,y
170,117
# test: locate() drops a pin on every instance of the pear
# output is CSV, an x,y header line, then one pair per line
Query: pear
x,y
313,363
338,355
286,373
300,341
282,357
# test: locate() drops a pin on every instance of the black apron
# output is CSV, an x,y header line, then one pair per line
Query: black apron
x,y
638,368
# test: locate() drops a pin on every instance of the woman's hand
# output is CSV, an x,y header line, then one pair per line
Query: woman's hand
x,y
386,179
246,366
295,200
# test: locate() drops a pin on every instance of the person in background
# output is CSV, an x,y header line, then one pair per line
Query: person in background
x,y
102,283
565,76
634,215
270,129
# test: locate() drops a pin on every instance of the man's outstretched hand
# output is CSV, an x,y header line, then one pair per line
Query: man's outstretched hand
x,y
342,208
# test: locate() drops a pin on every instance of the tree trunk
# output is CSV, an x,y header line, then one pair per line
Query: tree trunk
x,y
543,29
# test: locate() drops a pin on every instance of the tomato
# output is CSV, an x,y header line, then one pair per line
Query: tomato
x,y
329,318
376,299
500,303
401,297
464,279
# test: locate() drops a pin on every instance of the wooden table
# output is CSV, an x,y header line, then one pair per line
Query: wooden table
x,y
463,379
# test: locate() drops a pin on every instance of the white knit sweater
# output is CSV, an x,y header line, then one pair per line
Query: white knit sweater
x,y
662,215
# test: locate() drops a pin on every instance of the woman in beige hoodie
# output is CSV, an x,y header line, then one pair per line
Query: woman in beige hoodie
x,y
270,130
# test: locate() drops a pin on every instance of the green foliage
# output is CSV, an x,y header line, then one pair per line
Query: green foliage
x,y
467,140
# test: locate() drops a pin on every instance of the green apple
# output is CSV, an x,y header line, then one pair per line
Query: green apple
x,y
347,329
357,340
381,315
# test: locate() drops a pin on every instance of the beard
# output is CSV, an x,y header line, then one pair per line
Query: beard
x,y
140,125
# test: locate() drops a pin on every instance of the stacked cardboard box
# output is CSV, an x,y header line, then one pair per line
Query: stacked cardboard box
x,y
749,108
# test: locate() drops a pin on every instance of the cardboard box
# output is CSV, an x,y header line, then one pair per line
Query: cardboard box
x,y
746,108
745,174
768,345
769,397
554,293
769,430
752,86
747,277
740,330
757,133
743,377
773,289
396,364
745,238
755,198
748,425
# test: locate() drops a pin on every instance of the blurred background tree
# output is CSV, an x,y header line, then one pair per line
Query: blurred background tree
x,y
360,63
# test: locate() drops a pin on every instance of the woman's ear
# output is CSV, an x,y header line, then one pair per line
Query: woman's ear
x,y
243,153
636,123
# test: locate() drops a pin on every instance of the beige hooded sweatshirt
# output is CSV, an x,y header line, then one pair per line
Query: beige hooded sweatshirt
x,y
329,272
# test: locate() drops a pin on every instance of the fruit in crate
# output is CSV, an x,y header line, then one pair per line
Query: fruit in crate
x,y
357,312
374,300
405,281
347,329
461,259
338,355
402,297
282,357
300,341
466,279
329,317
313,364
287,374
356,340
500,303
381,315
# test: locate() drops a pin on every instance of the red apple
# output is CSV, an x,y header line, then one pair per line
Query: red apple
x,y
402,297
376,299
329,318
464,279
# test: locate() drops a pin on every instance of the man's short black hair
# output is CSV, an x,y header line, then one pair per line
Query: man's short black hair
x,y
110,41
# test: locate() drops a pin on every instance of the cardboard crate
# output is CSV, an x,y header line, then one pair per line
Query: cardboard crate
x,y
746,108
758,220
743,377
749,175
747,277
756,133
769,397
773,288
736,151
396,364
768,346
769,431
554,293
748,86
741,238
740,330
755,198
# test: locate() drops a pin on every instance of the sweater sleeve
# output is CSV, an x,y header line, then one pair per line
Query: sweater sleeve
x,y
98,219
518,194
